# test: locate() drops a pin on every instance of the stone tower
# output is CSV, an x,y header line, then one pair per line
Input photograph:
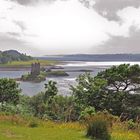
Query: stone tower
x,y
35,69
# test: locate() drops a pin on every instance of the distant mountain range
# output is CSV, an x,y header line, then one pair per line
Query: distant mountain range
x,y
13,55
94,57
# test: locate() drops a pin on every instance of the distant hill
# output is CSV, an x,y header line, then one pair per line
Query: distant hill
x,y
94,57
13,55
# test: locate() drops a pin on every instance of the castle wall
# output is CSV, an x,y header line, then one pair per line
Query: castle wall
x,y
35,69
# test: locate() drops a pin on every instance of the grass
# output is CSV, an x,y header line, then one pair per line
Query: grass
x,y
17,128
51,132
45,131
28,63
120,132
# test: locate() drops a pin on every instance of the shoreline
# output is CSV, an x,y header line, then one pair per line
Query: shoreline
x,y
68,64
15,68
28,67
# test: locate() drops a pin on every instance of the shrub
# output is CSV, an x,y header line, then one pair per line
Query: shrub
x,y
22,108
87,112
99,125
110,119
98,130
131,124
33,124
9,91
62,108
37,104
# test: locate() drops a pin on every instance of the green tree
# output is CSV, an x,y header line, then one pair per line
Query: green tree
x,y
38,105
42,102
110,89
89,91
9,91
122,78
62,108
51,91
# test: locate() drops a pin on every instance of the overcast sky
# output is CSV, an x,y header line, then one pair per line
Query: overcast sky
x,y
40,27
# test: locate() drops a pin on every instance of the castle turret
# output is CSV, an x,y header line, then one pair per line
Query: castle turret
x,y
35,69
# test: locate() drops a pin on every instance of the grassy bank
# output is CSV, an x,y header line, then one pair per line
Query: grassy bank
x,y
51,132
120,132
19,64
17,128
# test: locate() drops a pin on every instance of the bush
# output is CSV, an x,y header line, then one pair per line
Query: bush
x,y
22,108
33,124
62,108
37,104
99,125
87,112
131,125
98,130
9,91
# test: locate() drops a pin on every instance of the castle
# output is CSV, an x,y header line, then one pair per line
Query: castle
x,y
35,69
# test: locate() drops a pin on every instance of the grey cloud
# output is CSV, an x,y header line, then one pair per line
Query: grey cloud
x,y
106,8
31,2
3,18
109,8
23,27
20,24
112,6
118,44
14,34
9,42
22,2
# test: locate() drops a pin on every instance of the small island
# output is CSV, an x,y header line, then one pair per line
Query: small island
x,y
39,74
57,73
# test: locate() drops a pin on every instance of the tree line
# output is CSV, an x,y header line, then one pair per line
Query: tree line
x,y
13,55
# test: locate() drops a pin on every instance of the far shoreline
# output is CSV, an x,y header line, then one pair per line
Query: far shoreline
x,y
26,65
63,64
15,68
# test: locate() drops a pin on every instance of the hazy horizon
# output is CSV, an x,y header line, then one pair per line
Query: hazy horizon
x,y
69,53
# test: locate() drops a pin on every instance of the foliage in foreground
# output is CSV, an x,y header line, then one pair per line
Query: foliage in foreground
x,y
98,130
106,91
111,90
15,127
9,91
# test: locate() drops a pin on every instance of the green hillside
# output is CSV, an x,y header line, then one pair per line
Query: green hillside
x,y
13,55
